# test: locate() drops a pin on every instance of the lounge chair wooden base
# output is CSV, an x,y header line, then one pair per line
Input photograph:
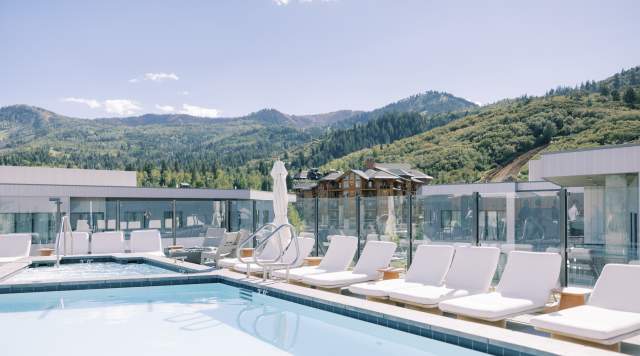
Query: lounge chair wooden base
x,y
381,300
332,290
423,308
614,347
498,323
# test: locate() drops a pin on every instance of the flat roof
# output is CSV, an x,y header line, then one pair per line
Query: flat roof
x,y
594,148
79,191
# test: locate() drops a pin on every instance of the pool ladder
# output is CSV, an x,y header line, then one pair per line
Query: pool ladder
x,y
65,231
278,261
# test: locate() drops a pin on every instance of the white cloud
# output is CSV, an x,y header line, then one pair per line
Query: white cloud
x,y
160,77
92,103
199,111
287,2
184,92
134,80
165,108
121,106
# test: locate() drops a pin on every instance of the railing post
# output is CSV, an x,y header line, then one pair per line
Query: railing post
x,y
174,222
475,227
358,224
562,225
117,215
227,204
316,227
254,215
410,231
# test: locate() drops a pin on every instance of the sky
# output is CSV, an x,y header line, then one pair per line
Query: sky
x,y
228,58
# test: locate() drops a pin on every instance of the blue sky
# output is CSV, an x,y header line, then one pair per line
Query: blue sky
x,y
228,58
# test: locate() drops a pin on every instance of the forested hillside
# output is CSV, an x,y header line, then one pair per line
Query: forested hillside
x,y
224,152
465,150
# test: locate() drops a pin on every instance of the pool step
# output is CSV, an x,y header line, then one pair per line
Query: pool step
x,y
246,294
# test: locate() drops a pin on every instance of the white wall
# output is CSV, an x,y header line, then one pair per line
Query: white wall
x,y
66,176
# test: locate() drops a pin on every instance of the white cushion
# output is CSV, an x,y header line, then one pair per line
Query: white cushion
x,y
228,262
146,241
107,242
376,255
430,264
15,245
296,274
473,268
79,246
336,279
488,306
381,289
530,275
427,295
613,289
340,253
590,322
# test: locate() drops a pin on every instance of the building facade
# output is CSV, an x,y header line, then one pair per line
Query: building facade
x,y
181,215
378,179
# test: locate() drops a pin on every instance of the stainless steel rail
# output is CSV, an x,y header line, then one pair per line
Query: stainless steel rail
x,y
267,264
65,231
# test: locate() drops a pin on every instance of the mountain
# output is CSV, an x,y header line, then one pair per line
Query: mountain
x,y
172,148
474,146
427,103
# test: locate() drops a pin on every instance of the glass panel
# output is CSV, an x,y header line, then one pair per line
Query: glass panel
x,y
241,215
264,211
194,218
93,214
304,216
149,214
386,219
34,215
442,219
603,226
337,216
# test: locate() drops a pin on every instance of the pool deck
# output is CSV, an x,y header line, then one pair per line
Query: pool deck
x,y
439,327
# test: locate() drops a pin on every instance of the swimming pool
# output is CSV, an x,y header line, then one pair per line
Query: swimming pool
x,y
93,270
194,319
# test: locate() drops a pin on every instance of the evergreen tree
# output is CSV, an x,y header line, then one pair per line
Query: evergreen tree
x,y
629,97
615,95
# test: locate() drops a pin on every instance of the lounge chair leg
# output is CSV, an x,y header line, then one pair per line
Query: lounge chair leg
x,y
497,323
614,347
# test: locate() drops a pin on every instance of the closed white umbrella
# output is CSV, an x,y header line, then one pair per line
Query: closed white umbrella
x,y
280,197
390,227
280,200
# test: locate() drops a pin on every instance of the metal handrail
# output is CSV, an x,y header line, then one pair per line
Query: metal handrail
x,y
276,261
241,244
65,228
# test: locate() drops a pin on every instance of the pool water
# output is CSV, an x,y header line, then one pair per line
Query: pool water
x,y
197,319
94,270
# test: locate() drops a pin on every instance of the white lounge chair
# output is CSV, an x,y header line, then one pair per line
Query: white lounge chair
x,y
289,257
222,250
471,272
376,255
14,247
429,267
146,241
107,242
611,315
525,286
338,257
78,244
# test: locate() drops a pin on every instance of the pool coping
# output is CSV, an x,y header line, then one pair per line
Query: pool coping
x,y
470,335
7,270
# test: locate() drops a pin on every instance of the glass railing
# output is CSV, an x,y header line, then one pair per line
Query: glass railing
x,y
601,222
